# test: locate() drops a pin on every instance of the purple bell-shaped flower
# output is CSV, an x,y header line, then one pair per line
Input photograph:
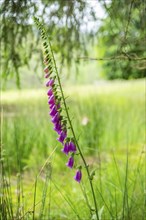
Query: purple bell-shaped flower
x,y
78,176
65,149
72,147
62,136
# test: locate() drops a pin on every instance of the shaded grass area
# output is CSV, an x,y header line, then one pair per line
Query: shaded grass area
x,y
109,121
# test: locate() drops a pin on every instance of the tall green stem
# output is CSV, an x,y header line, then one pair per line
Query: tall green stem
x,y
71,127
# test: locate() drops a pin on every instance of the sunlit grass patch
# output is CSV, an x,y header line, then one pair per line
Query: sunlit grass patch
x,y
109,122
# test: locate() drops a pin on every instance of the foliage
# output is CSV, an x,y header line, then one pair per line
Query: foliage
x,y
122,36
64,21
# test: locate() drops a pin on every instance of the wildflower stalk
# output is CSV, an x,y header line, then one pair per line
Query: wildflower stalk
x,y
71,127
69,120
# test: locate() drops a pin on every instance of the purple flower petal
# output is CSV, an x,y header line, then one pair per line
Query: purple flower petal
x,y
51,105
62,136
72,147
78,176
70,162
56,118
65,149
53,111
58,127
50,92
50,82
47,75
51,100
51,97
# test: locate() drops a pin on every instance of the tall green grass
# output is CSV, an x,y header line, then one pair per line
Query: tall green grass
x,y
109,122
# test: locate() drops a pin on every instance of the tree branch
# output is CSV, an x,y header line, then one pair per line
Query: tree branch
x,y
126,57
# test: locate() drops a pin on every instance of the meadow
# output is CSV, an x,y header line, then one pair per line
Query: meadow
x,y
109,122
